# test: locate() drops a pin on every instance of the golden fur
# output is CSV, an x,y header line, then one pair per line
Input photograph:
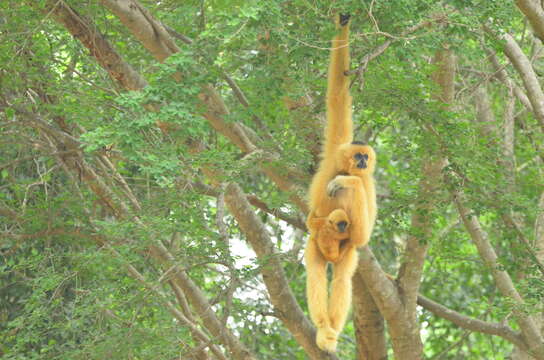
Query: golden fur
x,y
344,181
332,235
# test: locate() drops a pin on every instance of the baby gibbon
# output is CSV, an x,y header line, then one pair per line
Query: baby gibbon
x,y
344,181
332,235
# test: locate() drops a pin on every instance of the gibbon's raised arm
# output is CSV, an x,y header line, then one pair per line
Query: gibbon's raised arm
x,y
339,125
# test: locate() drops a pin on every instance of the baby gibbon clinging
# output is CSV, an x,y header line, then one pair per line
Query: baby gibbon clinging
x,y
331,235
343,181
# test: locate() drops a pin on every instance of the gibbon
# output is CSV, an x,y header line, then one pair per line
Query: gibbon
x,y
344,181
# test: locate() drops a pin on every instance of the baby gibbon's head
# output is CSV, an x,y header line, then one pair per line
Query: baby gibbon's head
x,y
338,221
356,159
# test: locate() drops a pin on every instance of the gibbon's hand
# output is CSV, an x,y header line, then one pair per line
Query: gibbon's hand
x,y
334,187
341,182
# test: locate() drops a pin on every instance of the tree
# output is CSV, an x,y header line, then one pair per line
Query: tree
x,y
156,156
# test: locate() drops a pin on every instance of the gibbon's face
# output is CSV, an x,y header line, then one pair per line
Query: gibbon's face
x,y
358,159
338,221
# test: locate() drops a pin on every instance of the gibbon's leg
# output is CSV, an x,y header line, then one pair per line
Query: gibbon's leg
x,y
339,125
316,293
358,211
341,290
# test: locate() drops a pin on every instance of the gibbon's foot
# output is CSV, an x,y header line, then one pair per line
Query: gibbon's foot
x,y
333,188
326,339
344,19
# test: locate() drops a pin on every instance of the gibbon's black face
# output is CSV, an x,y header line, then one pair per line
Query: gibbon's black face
x,y
341,226
344,19
361,160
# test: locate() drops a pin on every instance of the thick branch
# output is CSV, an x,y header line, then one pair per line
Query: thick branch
x,y
531,333
258,203
171,308
158,41
404,332
532,9
503,76
368,322
539,229
281,296
472,324
85,31
411,269
530,81
200,304
151,33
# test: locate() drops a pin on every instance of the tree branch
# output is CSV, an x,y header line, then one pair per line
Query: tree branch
x,y
411,270
531,333
403,331
274,277
359,70
503,76
532,9
368,323
200,304
85,31
199,335
472,324
145,28
525,69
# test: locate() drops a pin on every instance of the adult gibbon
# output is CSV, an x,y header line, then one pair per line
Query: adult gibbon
x,y
343,181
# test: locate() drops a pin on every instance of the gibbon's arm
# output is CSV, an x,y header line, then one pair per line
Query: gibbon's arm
x,y
339,125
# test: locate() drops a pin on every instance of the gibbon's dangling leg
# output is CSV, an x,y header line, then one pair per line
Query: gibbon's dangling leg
x,y
316,293
340,300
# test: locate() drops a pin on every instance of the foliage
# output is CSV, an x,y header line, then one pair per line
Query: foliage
x,y
62,293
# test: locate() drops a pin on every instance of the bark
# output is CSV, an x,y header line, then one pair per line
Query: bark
x,y
484,114
281,296
200,354
173,310
84,30
539,229
505,79
404,333
368,322
531,333
532,9
411,269
472,324
530,81
508,141
151,33
156,39
200,304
